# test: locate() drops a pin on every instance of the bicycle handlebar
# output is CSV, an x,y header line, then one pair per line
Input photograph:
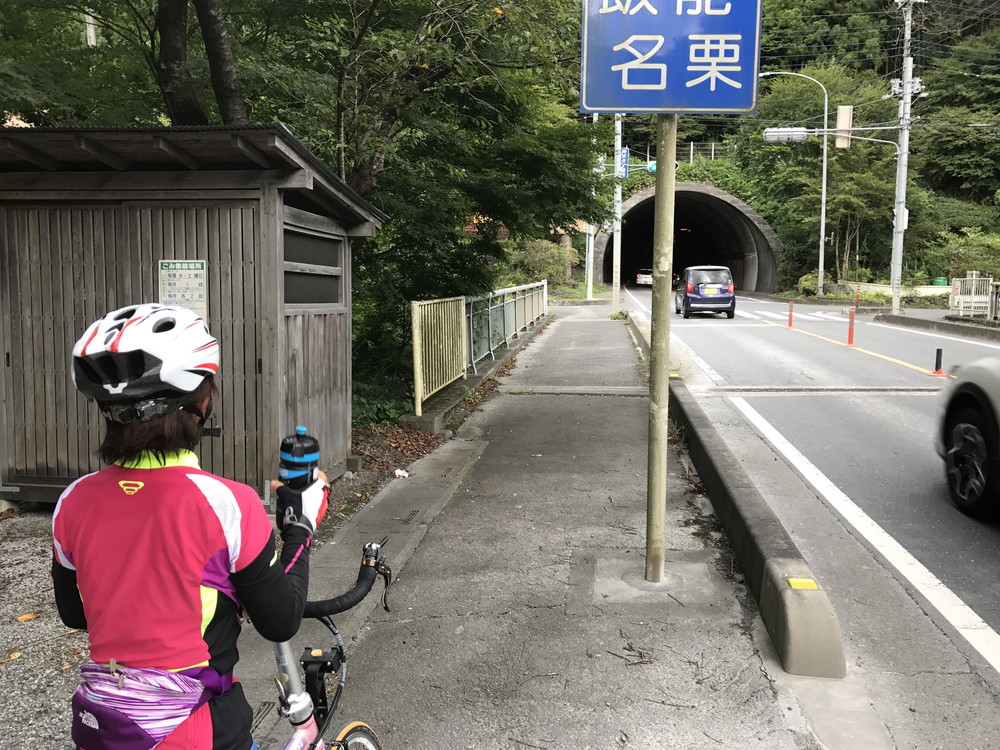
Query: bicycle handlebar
x,y
371,567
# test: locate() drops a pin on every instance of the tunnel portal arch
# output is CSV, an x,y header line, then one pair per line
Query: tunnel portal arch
x,y
711,227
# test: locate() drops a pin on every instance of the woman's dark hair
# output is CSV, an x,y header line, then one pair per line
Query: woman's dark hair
x,y
176,431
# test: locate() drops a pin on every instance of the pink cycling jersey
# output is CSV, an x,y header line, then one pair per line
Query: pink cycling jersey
x,y
157,561
153,550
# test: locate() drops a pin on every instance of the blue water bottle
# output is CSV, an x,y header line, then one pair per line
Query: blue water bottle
x,y
298,459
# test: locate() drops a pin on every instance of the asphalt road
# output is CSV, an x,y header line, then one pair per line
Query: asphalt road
x,y
856,423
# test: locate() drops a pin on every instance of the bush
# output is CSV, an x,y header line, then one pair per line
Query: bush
x,y
379,399
529,261
808,285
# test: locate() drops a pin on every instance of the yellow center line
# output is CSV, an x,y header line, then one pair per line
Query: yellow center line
x,y
887,358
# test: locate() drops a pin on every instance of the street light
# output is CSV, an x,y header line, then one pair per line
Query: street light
x,y
822,214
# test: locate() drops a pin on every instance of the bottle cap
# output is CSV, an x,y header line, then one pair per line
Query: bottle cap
x,y
300,430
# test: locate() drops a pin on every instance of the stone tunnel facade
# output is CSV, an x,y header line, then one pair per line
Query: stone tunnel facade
x,y
711,228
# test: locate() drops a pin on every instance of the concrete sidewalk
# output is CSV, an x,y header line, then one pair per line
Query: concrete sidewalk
x,y
520,615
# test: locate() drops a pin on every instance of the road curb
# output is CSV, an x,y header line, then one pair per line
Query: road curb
x,y
973,330
797,613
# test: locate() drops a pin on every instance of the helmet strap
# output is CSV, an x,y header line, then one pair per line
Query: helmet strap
x,y
203,418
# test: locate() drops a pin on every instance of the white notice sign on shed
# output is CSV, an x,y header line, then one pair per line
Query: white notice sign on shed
x,y
184,283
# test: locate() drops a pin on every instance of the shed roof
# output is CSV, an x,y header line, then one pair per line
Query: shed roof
x,y
174,149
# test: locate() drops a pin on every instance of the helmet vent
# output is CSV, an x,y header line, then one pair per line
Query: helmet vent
x,y
162,326
125,314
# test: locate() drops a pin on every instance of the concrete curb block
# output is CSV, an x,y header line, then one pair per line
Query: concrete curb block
x,y
801,623
972,330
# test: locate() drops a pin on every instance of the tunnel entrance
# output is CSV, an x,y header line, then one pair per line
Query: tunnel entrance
x,y
711,227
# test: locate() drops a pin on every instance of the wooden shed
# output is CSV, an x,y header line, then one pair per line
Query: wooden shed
x,y
245,222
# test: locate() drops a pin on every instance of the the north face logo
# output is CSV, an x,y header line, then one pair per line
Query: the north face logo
x,y
89,720
131,487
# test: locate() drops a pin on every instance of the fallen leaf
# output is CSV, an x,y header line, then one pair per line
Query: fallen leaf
x,y
73,652
13,655
25,618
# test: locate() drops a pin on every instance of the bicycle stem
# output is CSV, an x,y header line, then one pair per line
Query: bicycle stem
x,y
296,702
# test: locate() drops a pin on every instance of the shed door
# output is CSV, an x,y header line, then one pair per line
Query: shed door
x,y
62,267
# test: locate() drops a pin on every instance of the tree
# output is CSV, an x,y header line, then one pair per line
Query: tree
x,y
956,140
158,37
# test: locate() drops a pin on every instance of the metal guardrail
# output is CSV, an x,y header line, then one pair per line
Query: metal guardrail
x,y
494,319
688,151
438,346
451,335
973,296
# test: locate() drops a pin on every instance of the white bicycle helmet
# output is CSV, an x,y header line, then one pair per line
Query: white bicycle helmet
x,y
145,355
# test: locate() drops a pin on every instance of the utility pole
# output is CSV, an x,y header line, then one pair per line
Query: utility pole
x,y
907,88
616,263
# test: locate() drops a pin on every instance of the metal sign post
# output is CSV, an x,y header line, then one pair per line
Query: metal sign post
x,y
668,57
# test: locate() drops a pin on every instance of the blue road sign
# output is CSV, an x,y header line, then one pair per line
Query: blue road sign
x,y
670,55
622,171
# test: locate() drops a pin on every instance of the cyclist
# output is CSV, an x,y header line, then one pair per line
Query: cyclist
x,y
156,558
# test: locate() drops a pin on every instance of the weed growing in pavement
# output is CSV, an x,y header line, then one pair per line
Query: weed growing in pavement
x,y
619,315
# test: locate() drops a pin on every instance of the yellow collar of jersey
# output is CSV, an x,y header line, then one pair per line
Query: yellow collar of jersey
x,y
149,460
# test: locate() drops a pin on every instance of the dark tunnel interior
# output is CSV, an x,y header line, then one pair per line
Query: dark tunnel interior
x,y
707,231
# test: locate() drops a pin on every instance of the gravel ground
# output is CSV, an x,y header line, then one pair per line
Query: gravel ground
x,y
40,657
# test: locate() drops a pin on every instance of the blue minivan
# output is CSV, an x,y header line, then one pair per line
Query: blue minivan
x,y
705,289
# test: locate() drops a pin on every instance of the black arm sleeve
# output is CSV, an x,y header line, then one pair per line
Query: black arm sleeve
x,y
273,591
68,600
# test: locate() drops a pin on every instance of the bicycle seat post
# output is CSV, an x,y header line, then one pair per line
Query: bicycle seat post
x,y
298,703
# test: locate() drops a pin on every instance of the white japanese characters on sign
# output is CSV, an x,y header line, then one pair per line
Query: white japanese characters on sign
x,y
185,283
670,55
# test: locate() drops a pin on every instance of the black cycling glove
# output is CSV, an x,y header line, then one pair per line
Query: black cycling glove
x,y
304,508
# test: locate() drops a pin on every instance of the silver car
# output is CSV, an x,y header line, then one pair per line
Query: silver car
x,y
644,277
968,438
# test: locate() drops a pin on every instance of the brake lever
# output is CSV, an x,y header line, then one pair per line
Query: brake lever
x,y
386,572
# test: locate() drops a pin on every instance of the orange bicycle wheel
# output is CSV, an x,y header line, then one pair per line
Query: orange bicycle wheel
x,y
357,736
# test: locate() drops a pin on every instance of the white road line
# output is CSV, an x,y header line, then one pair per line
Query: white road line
x,y
702,364
831,316
972,627
745,314
638,303
776,316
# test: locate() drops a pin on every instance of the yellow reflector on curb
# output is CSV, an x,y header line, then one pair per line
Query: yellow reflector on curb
x,y
803,583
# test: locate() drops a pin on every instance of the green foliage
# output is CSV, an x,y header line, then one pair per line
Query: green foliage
x,y
797,33
377,399
529,261
577,289
619,315
970,249
808,284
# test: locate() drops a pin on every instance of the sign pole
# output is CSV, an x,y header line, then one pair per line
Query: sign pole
x,y
659,347
616,232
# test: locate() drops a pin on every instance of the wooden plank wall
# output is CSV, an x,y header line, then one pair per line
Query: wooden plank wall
x,y
61,267
317,393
